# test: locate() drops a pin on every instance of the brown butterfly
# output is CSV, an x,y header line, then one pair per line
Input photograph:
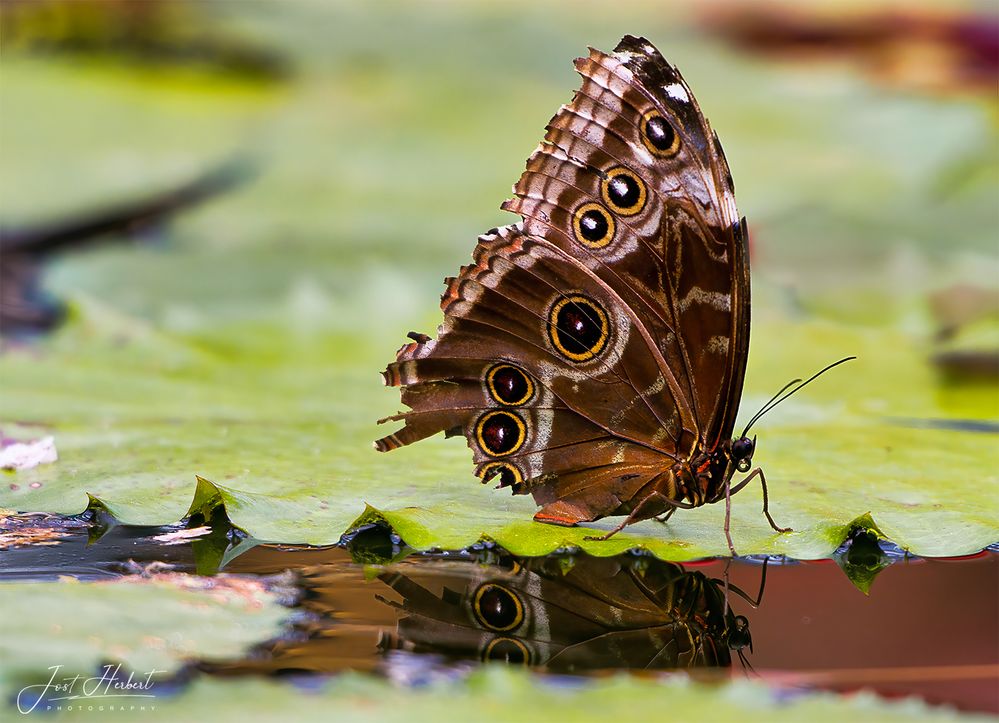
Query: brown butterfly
x,y
594,354
567,615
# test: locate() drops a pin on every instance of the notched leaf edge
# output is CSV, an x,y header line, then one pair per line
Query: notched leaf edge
x,y
210,499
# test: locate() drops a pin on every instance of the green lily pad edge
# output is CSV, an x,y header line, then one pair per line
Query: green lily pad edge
x,y
212,501
495,693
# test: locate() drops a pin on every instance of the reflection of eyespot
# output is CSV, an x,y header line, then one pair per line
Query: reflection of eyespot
x,y
497,608
509,385
578,328
509,475
593,225
500,432
623,191
507,650
659,136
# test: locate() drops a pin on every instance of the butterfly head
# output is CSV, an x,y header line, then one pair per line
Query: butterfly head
x,y
742,452
739,636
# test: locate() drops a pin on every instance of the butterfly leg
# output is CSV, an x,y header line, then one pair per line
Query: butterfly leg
x,y
633,516
663,518
755,602
758,472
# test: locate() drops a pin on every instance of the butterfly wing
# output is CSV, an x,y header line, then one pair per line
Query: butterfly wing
x,y
632,156
603,339
573,354
595,614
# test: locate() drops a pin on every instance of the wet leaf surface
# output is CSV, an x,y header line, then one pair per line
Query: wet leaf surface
x,y
159,621
226,367
283,434
245,349
501,695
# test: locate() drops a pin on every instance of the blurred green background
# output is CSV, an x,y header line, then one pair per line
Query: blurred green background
x,y
242,341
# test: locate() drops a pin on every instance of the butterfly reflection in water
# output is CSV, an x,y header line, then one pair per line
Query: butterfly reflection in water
x,y
567,614
593,354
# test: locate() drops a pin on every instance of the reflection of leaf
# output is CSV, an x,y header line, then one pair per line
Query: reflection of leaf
x,y
38,530
209,551
373,543
862,558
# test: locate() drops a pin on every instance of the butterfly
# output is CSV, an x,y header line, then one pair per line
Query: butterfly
x,y
593,355
566,615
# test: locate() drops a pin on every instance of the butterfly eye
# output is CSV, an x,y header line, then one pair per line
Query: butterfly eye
x,y
578,328
593,225
509,385
507,650
623,191
742,449
659,136
738,634
497,608
500,433
742,453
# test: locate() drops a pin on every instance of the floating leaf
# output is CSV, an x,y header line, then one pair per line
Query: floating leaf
x,y
285,440
246,352
502,694
157,623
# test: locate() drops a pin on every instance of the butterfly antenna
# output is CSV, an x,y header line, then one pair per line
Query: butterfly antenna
x,y
766,406
777,398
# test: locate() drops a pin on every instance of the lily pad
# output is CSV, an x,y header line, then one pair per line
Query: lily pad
x,y
246,349
498,694
285,439
142,624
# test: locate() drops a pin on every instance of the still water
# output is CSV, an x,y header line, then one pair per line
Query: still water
x,y
924,627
